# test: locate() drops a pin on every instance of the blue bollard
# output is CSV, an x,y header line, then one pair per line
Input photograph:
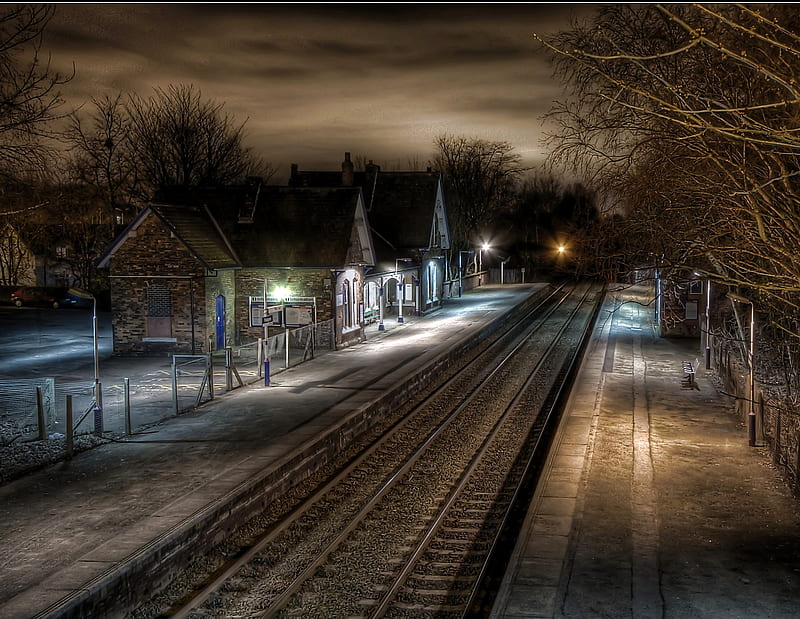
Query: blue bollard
x,y
266,372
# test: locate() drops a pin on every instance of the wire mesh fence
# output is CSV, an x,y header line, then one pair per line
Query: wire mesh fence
x,y
152,396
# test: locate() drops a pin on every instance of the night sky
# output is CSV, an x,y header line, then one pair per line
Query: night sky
x,y
313,81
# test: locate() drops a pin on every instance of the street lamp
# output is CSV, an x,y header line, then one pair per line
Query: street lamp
x,y
485,246
751,417
469,253
400,290
98,388
707,331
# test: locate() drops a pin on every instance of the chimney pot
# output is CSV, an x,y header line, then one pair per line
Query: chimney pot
x,y
348,171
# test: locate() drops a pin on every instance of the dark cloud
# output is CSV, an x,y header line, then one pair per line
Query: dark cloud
x,y
315,80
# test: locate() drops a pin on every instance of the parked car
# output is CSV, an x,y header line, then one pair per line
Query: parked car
x,y
55,297
38,296
77,298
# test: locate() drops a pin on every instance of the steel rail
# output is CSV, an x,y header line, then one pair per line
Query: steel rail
x,y
467,475
278,603
185,607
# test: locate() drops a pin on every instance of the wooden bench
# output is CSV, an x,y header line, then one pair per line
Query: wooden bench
x,y
689,370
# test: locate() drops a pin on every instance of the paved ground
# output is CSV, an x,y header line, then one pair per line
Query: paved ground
x,y
72,522
654,504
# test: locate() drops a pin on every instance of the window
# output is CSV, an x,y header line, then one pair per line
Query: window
x,y
159,311
347,317
432,287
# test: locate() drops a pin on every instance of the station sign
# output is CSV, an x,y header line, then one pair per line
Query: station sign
x,y
298,314
273,317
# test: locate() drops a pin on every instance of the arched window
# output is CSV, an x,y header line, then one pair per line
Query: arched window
x,y
432,296
347,317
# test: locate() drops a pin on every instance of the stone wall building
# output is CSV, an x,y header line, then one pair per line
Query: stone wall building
x,y
188,271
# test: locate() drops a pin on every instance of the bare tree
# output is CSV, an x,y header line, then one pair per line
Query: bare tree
x,y
29,91
181,139
689,113
479,178
102,153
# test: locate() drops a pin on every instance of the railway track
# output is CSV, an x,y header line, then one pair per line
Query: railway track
x,y
409,528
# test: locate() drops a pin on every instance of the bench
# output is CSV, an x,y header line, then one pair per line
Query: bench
x,y
689,370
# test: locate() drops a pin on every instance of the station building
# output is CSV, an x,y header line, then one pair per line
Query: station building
x,y
201,269
188,269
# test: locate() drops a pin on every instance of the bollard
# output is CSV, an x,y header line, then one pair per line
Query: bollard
x,y
69,440
98,421
127,387
751,428
708,357
266,372
40,415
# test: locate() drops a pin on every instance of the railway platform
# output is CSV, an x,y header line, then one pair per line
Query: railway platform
x,y
653,504
76,533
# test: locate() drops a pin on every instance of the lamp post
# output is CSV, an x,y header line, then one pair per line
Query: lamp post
x,y
381,326
469,253
751,417
400,290
483,247
707,333
98,388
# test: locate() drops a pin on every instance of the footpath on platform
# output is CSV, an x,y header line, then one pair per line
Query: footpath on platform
x,y
66,529
653,504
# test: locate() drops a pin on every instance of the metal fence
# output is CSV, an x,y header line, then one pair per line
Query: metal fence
x,y
138,401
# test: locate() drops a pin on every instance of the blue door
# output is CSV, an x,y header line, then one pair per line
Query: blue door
x,y
220,322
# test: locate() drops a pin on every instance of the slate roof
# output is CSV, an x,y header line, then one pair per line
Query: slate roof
x,y
265,226
195,226
400,206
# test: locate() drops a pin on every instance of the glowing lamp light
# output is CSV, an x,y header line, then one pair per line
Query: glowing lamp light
x,y
561,249
282,293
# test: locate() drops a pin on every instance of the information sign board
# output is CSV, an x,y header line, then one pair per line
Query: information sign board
x,y
298,315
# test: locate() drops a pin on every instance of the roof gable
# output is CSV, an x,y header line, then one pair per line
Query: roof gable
x,y
304,227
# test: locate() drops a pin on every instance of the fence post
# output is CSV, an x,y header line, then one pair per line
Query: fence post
x,y
797,468
127,386
175,385
70,447
98,408
210,365
776,454
228,380
40,415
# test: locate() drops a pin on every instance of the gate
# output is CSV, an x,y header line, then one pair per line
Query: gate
x,y
192,376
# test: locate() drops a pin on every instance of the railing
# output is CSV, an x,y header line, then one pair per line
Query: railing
x,y
34,409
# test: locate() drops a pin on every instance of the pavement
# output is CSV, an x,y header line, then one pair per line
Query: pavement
x,y
653,503
67,527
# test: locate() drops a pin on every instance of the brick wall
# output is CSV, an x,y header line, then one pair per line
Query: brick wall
x,y
301,282
153,257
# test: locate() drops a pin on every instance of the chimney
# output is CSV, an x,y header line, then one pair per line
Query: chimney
x,y
348,171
